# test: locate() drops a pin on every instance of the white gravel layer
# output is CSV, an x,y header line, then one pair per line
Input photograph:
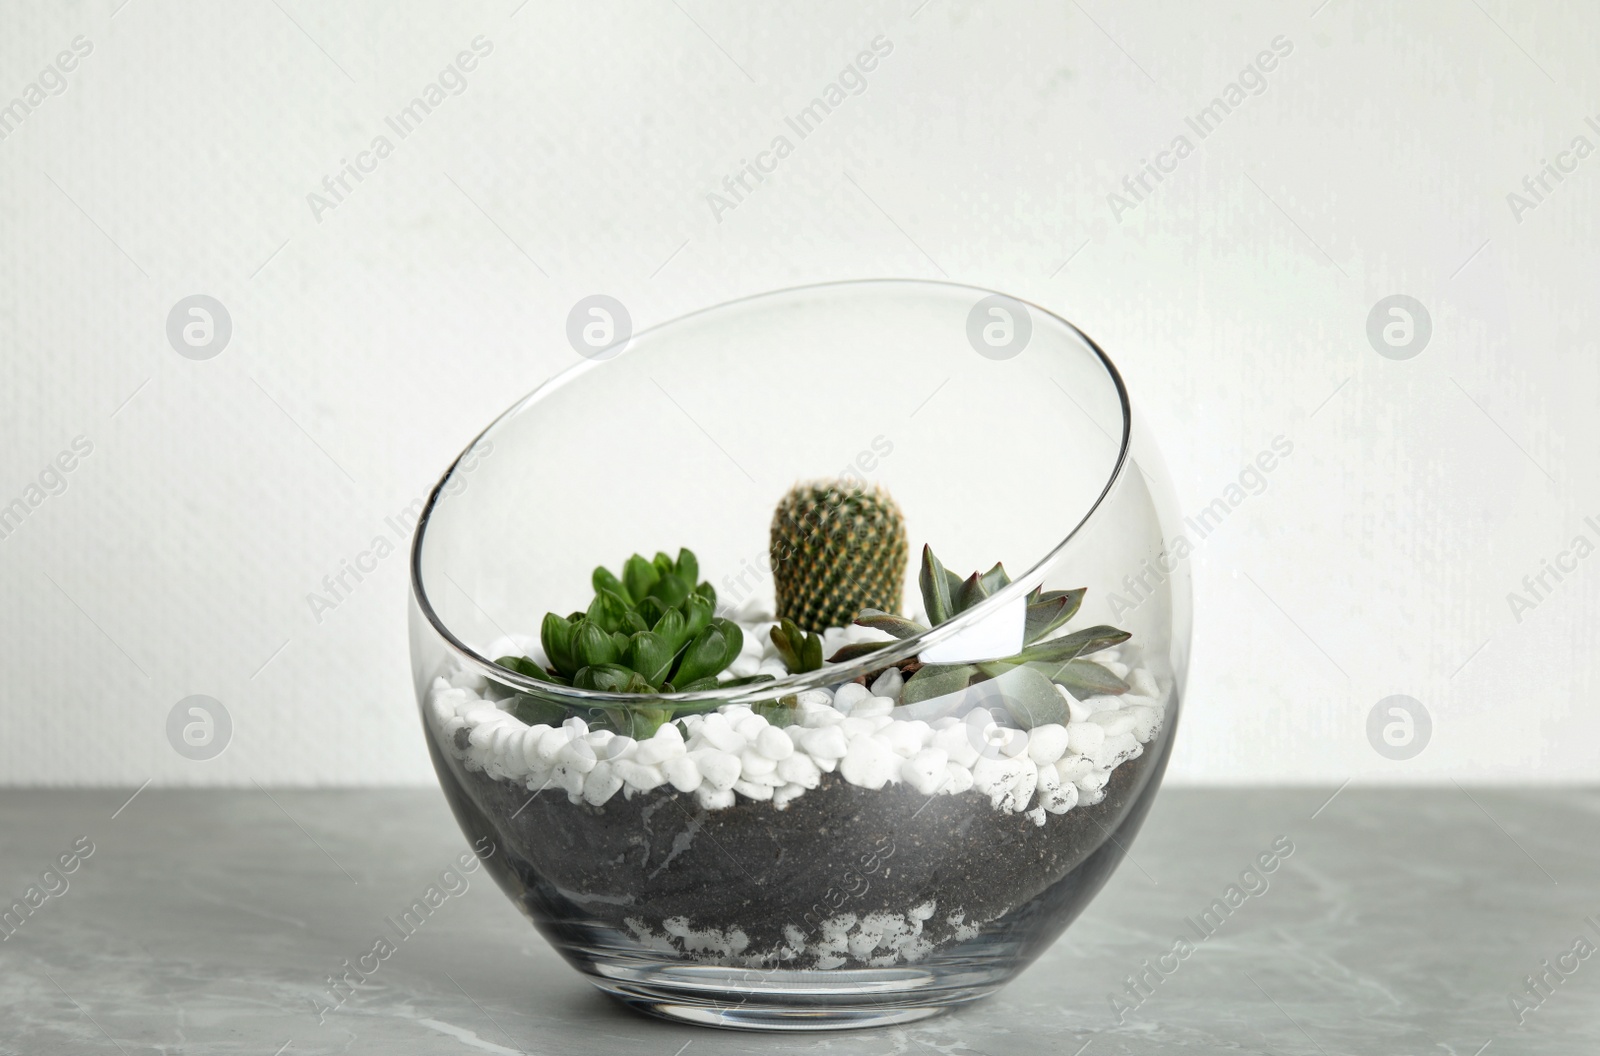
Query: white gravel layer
x,y
860,733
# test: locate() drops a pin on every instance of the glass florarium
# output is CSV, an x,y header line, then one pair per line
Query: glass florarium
x,y
812,661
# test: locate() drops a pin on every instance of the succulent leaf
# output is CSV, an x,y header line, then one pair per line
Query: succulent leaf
x,y
535,711
611,678
602,579
972,591
607,610
651,655
593,646
1030,697
1074,645
1083,678
697,610
937,680
995,579
799,651
639,575
556,635
888,622
855,651
1045,616
935,583
712,650
688,566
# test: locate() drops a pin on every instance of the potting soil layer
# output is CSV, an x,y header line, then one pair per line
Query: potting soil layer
x,y
843,877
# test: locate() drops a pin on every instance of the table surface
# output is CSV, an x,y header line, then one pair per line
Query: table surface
x,y
1403,921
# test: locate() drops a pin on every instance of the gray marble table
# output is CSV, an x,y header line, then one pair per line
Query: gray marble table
x,y
1401,922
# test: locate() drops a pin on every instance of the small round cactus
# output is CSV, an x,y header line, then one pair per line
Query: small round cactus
x,y
837,548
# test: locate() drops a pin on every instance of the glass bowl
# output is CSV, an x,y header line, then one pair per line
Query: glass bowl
x,y
884,837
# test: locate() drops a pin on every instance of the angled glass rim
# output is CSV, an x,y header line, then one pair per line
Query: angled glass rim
x,y
893,651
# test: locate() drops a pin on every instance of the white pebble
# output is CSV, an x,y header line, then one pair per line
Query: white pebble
x,y
889,684
957,744
751,790
658,749
639,775
815,718
571,780
578,755
715,798
782,797
925,771
530,745
601,783
869,763
1145,721
1015,744
829,742
716,732
682,772
814,698
1115,750
1047,743
754,764
774,744
855,728
903,738
1072,767
872,707
1114,722
995,776
719,769
1093,781
1060,796
1144,684
850,694
1085,737
553,743
751,728
800,770
960,778
1077,710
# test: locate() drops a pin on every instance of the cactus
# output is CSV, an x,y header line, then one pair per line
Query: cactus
x,y
837,548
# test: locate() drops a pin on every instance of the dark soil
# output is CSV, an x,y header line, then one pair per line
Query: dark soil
x,y
838,848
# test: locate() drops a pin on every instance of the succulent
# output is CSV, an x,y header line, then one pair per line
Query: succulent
x,y
837,548
649,631
800,652
1027,680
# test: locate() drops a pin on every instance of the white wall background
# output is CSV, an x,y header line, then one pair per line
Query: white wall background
x,y
367,347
